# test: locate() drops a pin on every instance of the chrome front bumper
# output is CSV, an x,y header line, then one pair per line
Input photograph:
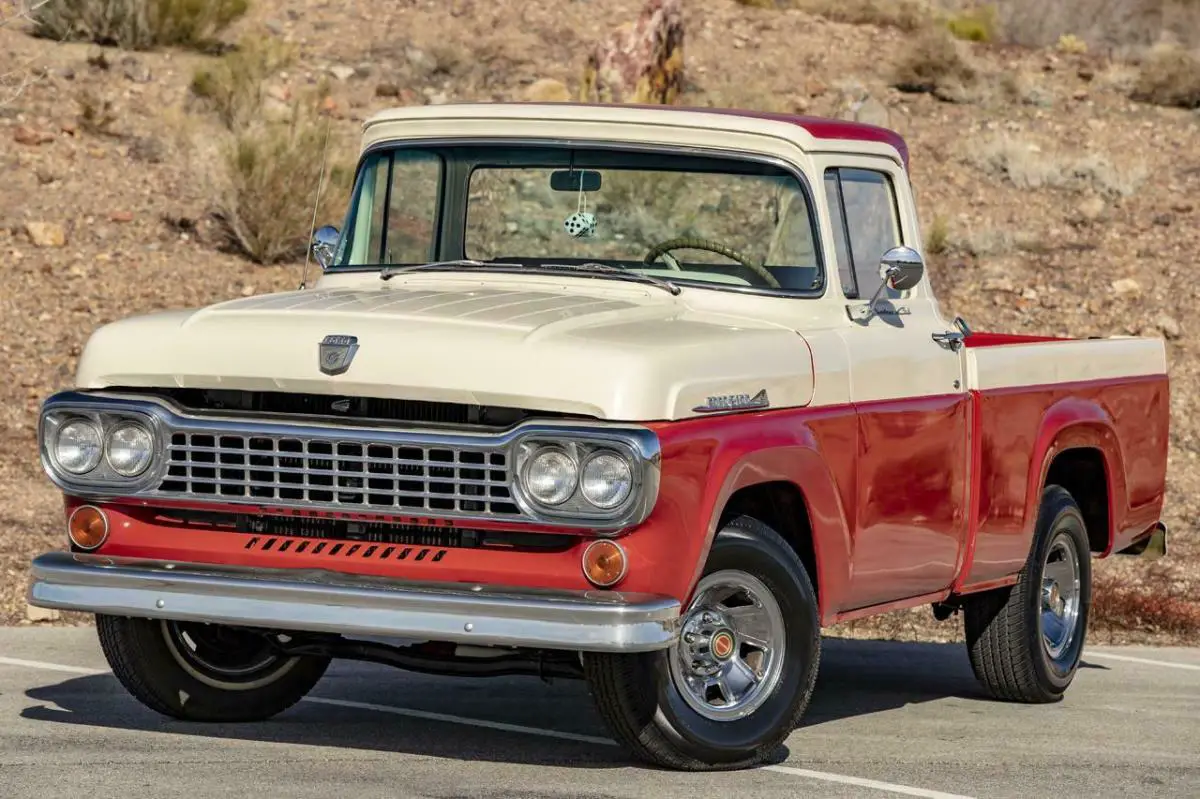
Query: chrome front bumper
x,y
353,605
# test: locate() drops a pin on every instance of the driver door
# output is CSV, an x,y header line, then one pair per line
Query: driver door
x,y
911,406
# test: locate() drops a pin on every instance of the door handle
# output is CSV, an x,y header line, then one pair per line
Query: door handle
x,y
951,339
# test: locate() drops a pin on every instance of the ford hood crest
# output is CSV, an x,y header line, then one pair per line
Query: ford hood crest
x,y
336,353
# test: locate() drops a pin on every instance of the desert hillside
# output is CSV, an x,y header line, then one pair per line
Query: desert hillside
x,y
1059,186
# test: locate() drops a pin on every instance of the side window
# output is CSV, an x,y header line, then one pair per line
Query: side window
x,y
866,224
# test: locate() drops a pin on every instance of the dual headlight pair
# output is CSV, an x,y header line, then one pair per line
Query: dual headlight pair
x,y
575,475
100,445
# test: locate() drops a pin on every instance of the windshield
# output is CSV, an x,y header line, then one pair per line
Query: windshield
x,y
690,219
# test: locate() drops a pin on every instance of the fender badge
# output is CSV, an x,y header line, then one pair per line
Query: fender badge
x,y
336,352
734,402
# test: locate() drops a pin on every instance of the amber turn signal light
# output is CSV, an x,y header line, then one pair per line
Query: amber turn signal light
x,y
604,563
87,527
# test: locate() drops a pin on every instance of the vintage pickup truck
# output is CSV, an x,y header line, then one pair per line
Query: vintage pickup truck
x,y
646,396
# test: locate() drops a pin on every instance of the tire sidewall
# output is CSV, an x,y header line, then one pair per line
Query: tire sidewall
x,y
742,546
1060,515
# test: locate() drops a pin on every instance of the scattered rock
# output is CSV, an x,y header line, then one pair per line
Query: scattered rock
x,y
248,290
999,284
1089,212
1163,220
1169,326
34,613
872,112
419,59
387,90
46,234
547,90
1080,95
1126,286
31,137
121,216
642,62
341,72
274,26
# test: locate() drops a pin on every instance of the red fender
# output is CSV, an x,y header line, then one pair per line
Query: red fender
x,y
811,449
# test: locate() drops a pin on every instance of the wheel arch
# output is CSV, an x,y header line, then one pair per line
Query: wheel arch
x,y
791,490
1077,448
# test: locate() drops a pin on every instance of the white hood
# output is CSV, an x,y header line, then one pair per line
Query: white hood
x,y
630,352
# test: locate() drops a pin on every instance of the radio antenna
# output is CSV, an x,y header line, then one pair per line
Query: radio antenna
x,y
312,228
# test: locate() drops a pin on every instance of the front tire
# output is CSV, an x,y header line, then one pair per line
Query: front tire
x,y
1025,640
204,672
737,682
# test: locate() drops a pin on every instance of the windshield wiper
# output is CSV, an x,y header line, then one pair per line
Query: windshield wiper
x,y
389,272
617,272
590,268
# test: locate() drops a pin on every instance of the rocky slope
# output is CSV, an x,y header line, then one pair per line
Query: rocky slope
x,y
1058,204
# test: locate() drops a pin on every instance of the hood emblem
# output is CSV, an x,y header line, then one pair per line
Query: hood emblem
x,y
336,353
734,402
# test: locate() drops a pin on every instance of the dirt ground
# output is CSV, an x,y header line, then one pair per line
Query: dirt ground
x,y
1062,206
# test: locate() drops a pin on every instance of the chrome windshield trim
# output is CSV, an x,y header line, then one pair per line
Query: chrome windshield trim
x,y
323,601
639,443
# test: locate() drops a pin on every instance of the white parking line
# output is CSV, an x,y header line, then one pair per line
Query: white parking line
x,y
1145,661
823,776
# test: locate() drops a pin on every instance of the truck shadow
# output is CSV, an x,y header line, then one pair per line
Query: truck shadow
x,y
857,678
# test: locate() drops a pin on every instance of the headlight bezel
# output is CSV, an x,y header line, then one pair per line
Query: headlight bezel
x,y
640,453
102,480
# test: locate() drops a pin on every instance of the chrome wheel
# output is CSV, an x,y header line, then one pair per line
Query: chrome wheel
x,y
225,657
1059,618
730,651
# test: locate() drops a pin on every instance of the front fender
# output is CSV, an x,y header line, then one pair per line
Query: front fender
x,y
705,462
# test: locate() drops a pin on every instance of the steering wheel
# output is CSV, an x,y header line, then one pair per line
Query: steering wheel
x,y
660,250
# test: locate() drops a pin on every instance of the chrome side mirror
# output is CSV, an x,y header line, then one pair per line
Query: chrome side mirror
x,y
901,268
324,245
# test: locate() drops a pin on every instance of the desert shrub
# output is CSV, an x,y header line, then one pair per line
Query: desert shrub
x,y
934,65
1110,24
272,172
233,85
908,15
137,24
937,239
1027,166
1152,606
974,24
1169,76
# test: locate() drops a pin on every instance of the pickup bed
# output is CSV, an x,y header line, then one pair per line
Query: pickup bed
x,y
644,396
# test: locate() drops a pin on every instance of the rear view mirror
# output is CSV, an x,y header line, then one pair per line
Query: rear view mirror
x,y
575,180
324,245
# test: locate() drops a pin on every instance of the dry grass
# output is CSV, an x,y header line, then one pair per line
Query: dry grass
x,y
1152,607
935,65
1169,76
1111,25
234,86
137,24
1027,166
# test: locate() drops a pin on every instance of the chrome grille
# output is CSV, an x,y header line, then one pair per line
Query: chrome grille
x,y
399,477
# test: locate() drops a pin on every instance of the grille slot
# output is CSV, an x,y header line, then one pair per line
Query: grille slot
x,y
395,477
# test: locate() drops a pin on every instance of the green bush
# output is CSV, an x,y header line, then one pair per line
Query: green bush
x,y
137,24
233,85
974,24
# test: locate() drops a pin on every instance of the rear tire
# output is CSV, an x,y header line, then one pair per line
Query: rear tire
x,y
204,672
739,679
1025,640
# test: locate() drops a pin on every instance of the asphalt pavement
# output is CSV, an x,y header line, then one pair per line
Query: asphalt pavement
x,y
887,719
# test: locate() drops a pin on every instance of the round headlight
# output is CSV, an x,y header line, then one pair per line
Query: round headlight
x,y
607,480
77,446
550,477
129,448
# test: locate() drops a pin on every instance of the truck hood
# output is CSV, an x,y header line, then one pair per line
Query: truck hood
x,y
633,355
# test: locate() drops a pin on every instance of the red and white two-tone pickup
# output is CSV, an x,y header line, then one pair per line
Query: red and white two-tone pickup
x,y
646,396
